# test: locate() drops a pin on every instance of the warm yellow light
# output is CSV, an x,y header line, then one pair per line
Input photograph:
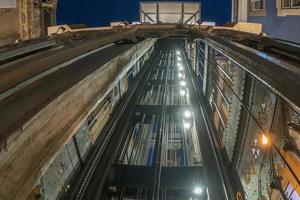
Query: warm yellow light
x,y
265,139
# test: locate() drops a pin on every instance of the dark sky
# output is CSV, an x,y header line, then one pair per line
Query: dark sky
x,y
102,12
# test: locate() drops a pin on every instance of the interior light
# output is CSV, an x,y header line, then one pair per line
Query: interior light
x,y
186,125
180,68
180,75
265,139
187,114
182,83
177,52
178,58
182,92
197,190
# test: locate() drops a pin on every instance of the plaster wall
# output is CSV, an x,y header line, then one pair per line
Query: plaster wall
x,y
283,27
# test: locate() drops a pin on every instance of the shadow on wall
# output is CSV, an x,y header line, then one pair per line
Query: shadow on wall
x,y
286,28
100,13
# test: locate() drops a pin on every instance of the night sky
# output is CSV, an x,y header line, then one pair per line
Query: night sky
x,y
102,12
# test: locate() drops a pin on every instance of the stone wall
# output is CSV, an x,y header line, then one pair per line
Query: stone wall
x,y
41,137
9,29
25,21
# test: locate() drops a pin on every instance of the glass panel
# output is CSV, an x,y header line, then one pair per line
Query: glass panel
x,y
285,150
285,175
286,3
258,5
292,119
255,172
225,83
266,115
263,105
225,66
252,156
295,3
202,48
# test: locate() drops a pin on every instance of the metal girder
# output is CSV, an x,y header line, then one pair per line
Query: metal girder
x,y
189,19
148,17
273,62
154,109
171,177
281,77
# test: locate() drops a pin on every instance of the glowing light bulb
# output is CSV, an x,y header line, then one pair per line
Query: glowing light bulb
x,y
180,75
187,114
182,92
182,83
265,139
187,125
197,190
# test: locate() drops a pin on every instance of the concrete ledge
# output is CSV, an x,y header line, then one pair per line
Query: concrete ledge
x,y
30,149
26,49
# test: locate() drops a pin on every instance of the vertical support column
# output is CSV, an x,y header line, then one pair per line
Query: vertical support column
x,y
234,10
157,13
195,49
142,15
242,11
182,13
234,113
197,59
77,151
119,89
191,50
205,77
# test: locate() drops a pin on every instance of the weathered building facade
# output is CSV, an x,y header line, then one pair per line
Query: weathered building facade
x,y
25,19
280,18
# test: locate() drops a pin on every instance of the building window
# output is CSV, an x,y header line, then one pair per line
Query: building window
x,y
257,8
288,7
8,4
290,3
257,5
36,4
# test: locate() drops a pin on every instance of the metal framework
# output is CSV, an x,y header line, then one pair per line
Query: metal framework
x,y
249,51
170,12
145,134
